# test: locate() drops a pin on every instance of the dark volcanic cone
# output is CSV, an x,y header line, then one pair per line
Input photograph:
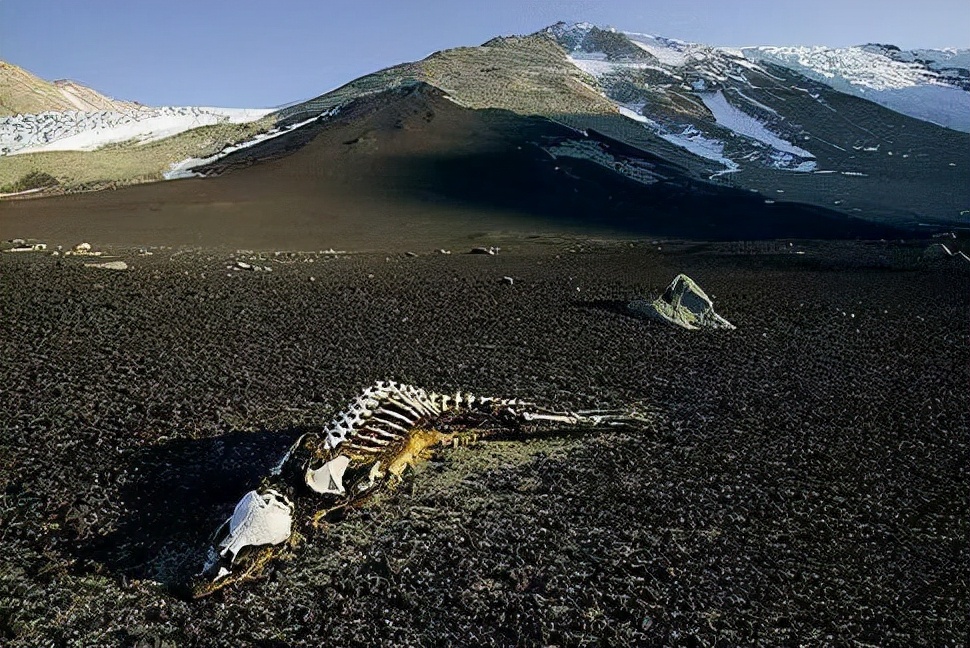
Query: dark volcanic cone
x,y
408,167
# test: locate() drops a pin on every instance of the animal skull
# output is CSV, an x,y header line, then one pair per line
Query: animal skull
x,y
259,519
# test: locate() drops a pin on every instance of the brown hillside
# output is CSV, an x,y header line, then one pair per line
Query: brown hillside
x,y
22,92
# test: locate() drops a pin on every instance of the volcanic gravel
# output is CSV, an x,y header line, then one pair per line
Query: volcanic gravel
x,y
803,479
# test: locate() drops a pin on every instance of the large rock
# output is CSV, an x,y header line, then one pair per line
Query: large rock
x,y
683,304
939,251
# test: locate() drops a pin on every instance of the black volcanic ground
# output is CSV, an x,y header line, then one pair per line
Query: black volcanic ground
x,y
419,170
804,481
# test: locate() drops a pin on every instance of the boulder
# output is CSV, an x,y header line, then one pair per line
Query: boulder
x,y
940,251
683,304
937,251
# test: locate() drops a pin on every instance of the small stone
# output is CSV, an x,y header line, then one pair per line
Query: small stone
x,y
110,265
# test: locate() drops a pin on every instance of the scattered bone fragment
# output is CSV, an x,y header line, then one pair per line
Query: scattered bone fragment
x,y
328,478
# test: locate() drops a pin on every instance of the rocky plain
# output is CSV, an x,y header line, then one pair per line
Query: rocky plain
x,y
802,479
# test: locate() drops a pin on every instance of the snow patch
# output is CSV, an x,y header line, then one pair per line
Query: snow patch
x,y
742,123
694,141
668,51
599,67
756,103
184,168
637,170
634,114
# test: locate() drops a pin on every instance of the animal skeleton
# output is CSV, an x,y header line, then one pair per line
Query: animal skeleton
x,y
370,444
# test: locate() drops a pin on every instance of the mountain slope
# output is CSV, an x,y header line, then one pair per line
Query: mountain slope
x,y
721,117
21,92
730,123
410,169
762,126
45,126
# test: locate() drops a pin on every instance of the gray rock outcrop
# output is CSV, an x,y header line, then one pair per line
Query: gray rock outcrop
x,y
684,304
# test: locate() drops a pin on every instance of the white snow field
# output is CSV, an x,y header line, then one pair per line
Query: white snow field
x,y
742,123
86,131
905,86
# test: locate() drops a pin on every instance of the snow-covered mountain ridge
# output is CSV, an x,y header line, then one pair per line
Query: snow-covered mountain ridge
x,y
923,85
932,85
828,128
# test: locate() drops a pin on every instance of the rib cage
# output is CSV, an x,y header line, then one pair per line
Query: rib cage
x,y
387,410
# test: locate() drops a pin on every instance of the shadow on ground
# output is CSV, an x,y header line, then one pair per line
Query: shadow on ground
x,y
616,306
177,495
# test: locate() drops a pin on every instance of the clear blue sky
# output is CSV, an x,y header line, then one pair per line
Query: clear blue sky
x,y
253,54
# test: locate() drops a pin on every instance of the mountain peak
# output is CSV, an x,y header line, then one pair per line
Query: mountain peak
x,y
597,42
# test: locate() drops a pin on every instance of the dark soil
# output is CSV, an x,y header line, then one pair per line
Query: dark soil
x,y
804,480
